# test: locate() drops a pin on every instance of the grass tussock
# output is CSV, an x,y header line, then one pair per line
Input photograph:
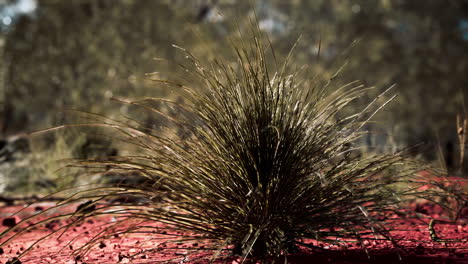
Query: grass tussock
x,y
267,160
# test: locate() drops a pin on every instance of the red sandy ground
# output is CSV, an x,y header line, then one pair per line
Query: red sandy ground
x,y
414,238
416,246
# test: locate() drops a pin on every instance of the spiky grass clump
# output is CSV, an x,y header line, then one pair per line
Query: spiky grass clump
x,y
267,164
271,163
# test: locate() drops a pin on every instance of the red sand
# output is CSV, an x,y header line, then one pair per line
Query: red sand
x,y
416,245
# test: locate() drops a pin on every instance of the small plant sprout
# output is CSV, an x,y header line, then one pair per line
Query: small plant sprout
x,y
462,128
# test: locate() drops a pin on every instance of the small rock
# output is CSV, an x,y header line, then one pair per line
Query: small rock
x,y
52,224
1,251
102,245
11,221
123,259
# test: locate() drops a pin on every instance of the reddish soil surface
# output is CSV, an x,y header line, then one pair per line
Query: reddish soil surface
x,y
415,241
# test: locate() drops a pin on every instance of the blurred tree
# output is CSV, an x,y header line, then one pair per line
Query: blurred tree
x,y
77,54
84,51
416,44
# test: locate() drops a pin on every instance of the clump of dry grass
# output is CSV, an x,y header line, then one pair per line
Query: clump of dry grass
x,y
268,163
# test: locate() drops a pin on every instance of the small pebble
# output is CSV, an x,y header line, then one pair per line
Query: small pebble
x,y
10,221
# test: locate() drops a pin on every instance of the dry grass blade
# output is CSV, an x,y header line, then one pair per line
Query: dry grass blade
x,y
267,163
